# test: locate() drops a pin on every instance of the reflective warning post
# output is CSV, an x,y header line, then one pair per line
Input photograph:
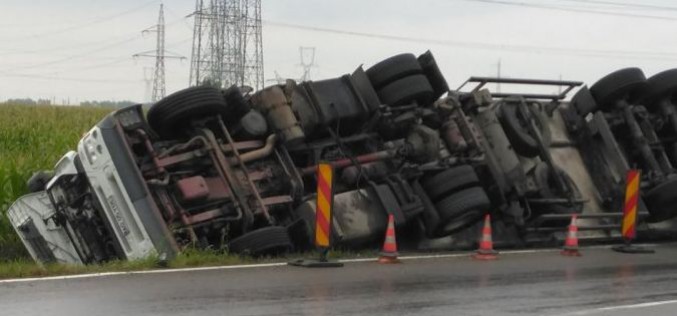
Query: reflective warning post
x,y
323,219
630,206
629,224
325,203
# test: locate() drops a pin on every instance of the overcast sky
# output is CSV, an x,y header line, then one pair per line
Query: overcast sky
x,y
81,49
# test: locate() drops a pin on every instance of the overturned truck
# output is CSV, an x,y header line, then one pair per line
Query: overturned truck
x,y
219,169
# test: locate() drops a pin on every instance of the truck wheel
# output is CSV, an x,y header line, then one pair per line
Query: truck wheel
x,y
267,240
407,90
432,71
431,219
662,84
450,181
462,209
547,189
171,115
236,103
662,201
39,180
621,84
392,69
516,130
583,102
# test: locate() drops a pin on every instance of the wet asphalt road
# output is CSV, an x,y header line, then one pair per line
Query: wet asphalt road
x,y
517,284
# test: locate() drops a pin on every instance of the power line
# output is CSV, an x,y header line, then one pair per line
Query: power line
x,y
624,4
71,46
493,46
59,78
567,9
81,26
57,61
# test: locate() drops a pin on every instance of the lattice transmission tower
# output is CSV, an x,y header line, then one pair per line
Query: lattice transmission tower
x,y
227,43
160,55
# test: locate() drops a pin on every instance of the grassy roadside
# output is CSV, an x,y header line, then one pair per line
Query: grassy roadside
x,y
26,268
33,138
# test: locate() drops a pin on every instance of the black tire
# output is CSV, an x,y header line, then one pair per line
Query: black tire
x,y
622,84
171,115
410,89
431,219
393,69
547,189
516,130
267,240
583,102
450,181
660,85
237,105
662,201
39,180
462,209
432,71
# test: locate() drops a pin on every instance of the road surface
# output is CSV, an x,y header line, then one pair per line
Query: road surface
x,y
599,283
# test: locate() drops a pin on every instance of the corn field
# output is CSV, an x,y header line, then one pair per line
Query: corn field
x,y
33,138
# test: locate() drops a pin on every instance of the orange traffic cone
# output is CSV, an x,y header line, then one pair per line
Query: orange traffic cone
x,y
571,242
389,253
486,250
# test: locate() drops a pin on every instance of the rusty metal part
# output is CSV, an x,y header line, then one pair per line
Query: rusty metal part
x,y
342,163
228,176
163,197
243,145
193,188
173,208
453,137
227,148
183,146
295,179
257,154
280,199
243,167
182,157
151,150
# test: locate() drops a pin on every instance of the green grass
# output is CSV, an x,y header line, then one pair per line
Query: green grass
x,y
23,268
34,138
26,268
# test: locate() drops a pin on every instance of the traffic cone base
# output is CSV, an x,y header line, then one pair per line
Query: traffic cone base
x,y
571,242
388,259
486,250
570,253
485,256
389,253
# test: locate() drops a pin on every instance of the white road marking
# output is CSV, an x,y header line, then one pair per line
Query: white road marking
x,y
621,307
267,265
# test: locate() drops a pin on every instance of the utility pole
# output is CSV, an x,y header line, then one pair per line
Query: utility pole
x,y
160,55
227,43
307,63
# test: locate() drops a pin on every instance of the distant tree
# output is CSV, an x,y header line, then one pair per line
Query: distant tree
x,y
107,103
